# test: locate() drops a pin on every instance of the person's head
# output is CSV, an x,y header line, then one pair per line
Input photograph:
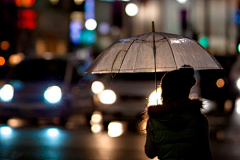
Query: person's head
x,y
178,83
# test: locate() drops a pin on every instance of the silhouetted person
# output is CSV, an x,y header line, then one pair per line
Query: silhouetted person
x,y
177,130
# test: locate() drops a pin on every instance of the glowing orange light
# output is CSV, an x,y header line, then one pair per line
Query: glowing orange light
x,y
220,83
18,3
24,3
5,45
2,61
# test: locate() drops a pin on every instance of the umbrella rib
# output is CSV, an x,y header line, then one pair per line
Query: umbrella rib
x,y
127,51
136,58
171,50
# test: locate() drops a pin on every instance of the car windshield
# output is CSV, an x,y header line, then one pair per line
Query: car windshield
x,y
42,70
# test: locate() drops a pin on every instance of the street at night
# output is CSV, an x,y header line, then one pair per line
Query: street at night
x,y
80,143
77,78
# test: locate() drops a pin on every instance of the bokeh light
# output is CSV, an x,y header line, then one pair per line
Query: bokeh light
x,y
97,87
96,117
5,45
78,2
238,83
27,19
238,105
2,61
182,1
6,93
88,37
91,24
238,48
53,94
96,128
54,2
131,9
155,98
115,129
15,59
52,132
5,130
104,28
75,32
220,83
24,3
77,16
204,42
108,97
16,122
115,30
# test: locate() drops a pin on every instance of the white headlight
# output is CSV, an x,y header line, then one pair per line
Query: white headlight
x,y
115,129
97,87
52,132
53,94
155,99
238,83
6,93
108,96
5,130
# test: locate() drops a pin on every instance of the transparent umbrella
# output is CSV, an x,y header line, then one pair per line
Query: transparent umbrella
x,y
153,52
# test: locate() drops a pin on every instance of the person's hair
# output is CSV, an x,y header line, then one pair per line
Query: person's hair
x,y
177,83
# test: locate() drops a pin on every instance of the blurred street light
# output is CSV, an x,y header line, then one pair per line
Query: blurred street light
x,y
131,9
91,24
2,61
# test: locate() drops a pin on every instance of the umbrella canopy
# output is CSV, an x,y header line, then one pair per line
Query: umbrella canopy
x,y
153,52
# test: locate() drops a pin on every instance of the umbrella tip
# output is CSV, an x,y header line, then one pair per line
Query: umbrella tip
x,y
153,27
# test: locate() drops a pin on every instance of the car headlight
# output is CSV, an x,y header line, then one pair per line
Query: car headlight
x,y
6,93
108,96
155,99
97,87
53,94
238,83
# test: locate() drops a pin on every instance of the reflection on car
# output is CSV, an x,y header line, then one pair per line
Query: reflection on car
x,y
49,89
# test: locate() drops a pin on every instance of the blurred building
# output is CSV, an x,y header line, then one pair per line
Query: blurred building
x,y
57,27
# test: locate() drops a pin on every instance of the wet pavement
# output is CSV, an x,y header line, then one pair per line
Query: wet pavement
x,y
56,143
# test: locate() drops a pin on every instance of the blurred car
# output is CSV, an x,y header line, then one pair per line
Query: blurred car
x,y
49,89
122,98
125,97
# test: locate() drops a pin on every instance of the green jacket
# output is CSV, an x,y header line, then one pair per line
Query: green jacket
x,y
178,131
